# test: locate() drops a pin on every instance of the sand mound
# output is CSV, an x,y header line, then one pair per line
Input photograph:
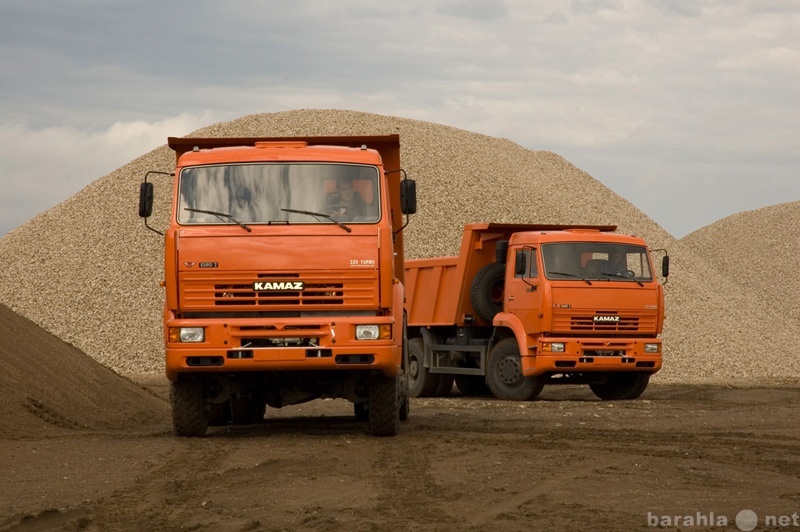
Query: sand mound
x,y
88,271
758,249
48,386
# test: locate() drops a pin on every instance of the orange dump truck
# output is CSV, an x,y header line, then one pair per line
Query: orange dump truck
x,y
527,305
284,277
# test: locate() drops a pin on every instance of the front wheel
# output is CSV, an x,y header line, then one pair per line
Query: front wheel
x,y
384,406
188,413
622,386
504,373
403,398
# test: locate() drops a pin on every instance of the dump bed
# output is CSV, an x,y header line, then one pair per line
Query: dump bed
x,y
438,289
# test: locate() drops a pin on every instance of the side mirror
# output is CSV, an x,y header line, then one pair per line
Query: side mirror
x,y
145,200
665,266
408,196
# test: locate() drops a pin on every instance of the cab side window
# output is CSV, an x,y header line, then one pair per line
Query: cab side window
x,y
525,265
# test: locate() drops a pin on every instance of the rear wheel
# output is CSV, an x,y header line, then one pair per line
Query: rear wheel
x,y
622,386
504,373
384,406
421,382
188,414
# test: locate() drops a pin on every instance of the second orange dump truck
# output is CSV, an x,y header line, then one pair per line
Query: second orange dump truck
x,y
523,305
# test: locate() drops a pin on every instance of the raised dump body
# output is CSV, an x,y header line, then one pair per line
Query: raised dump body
x,y
526,305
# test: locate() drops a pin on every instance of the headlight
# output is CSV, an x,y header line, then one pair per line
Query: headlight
x,y
373,332
192,334
652,348
553,347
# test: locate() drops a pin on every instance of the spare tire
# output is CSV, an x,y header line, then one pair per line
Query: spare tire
x,y
487,291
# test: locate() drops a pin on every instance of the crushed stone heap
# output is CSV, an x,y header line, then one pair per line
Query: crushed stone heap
x,y
87,270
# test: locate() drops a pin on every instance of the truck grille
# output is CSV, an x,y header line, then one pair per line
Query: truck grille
x,y
587,323
320,290
628,323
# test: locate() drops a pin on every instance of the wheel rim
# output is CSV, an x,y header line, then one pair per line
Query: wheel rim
x,y
413,370
509,371
497,294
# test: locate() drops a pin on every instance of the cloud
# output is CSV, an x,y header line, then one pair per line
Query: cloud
x,y
44,167
703,91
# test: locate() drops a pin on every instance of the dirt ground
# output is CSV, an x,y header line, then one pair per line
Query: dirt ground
x,y
679,457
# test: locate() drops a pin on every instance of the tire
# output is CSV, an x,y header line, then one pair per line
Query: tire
x,y
384,407
188,414
504,374
403,397
472,385
622,386
487,291
421,382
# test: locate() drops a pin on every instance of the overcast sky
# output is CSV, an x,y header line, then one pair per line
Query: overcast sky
x,y
688,109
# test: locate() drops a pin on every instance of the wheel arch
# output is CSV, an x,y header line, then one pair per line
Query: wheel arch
x,y
507,325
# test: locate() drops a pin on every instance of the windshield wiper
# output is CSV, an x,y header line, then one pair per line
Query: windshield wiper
x,y
587,281
315,214
623,276
221,215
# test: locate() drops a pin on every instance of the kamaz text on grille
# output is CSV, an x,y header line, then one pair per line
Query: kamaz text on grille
x,y
278,285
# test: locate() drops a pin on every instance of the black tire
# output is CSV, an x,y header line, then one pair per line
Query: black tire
x,y
189,418
361,411
384,407
472,385
487,291
622,386
504,374
403,397
421,382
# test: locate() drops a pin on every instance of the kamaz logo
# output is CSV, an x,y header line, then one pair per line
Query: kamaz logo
x,y
278,286
606,319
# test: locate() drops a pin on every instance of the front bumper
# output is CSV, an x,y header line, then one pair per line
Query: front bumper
x,y
590,355
291,344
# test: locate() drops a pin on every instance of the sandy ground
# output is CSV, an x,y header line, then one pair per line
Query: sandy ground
x,y
679,456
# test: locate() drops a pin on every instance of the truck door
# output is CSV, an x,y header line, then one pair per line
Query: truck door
x,y
524,288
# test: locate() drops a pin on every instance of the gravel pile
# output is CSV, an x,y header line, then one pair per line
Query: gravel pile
x,y
87,270
758,250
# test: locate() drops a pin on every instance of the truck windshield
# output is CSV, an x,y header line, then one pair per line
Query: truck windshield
x,y
578,261
279,193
